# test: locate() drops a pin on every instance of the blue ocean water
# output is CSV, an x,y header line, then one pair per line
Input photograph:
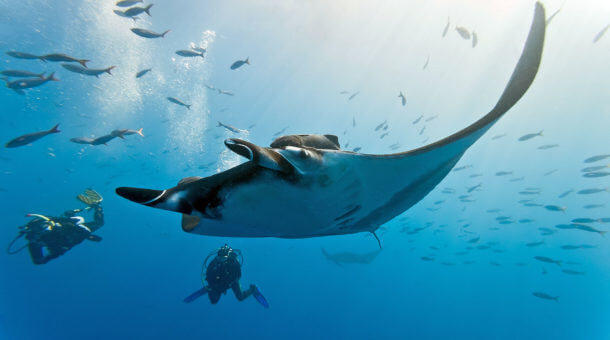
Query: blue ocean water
x,y
303,55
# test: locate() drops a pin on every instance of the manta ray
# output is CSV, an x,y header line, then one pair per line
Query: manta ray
x,y
306,186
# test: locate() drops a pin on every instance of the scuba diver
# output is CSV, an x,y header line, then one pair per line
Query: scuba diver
x,y
223,273
51,237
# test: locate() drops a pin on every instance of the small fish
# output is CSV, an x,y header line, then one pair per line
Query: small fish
x,y
190,53
380,126
518,179
529,193
573,272
504,173
144,33
532,204
418,119
554,208
596,174
239,64
344,92
498,136
127,3
546,231
87,71
143,72
23,74
475,175
431,118
591,191
30,137
565,226
547,146
588,229
57,57
569,247
584,220
422,130
595,168
473,188
475,39
600,34
22,55
230,128
383,135
566,193
426,63
460,168
534,244
525,220
179,102
353,121
446,29
545,296
127,132
593,206
596,158
550,172
463,32
426,258
403,99
474,240
530,136
353,95
226,93
19,85
492,211
547,260
134,11
356,149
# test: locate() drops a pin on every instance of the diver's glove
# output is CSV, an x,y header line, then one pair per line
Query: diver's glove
x,y
90,197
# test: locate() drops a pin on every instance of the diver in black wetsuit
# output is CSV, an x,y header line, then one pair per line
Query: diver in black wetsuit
x,y
224,272
51,237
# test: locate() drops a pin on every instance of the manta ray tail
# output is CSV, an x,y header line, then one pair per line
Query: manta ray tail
x,y
377,238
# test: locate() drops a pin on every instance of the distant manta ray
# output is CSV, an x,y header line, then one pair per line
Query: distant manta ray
x,y
305,186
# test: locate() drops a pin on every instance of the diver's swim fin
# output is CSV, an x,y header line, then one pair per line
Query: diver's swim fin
x,y
90,197
259,297
201,292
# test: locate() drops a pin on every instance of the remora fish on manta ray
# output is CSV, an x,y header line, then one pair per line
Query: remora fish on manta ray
x,y
298,190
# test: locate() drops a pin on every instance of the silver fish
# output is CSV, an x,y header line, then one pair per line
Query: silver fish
x,y
22,55
31,137
58,57
231,128
87,71
529,136
144,33
190,53
463,32
545,296
179,102
143,72
239,64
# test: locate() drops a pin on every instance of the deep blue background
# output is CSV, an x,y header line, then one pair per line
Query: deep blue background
x,y
303,54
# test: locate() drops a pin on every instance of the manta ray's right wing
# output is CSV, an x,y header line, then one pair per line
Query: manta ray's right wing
x,y
393,183
519,83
